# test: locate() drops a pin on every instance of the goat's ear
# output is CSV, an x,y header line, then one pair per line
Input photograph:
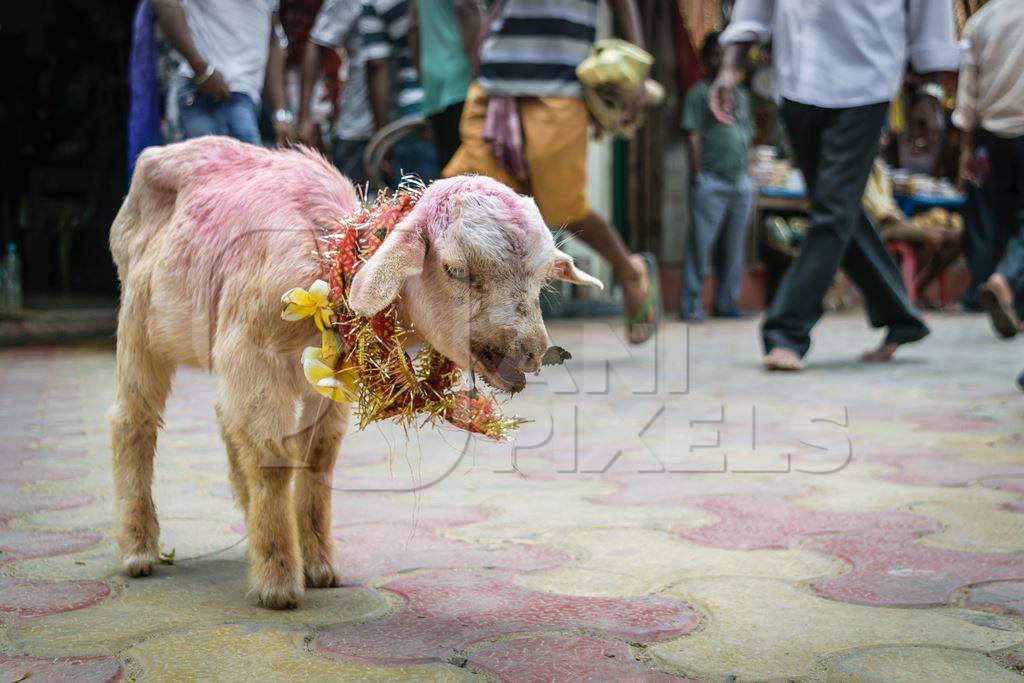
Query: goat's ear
x,y
400,256
564,268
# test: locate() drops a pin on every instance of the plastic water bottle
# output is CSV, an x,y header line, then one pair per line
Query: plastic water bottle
x,y
12,280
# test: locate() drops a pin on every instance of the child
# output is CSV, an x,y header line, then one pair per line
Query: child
x,y
723,196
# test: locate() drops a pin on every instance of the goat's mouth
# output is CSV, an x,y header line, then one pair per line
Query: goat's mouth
x,y
497,369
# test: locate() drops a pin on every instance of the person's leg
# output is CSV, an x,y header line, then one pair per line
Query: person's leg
x,y
555,151
835,150
241,118
347,156
979,243
1003,183
445,125
878,277
734,246
1008,164
710,204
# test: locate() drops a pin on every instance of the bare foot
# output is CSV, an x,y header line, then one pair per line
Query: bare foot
x,y
996,297
635,288
781,359
880,355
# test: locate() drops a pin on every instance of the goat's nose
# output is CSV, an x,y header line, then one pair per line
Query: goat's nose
x,y
529,359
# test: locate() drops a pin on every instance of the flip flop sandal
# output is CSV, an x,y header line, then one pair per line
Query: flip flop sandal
x,y
652,302
1002,316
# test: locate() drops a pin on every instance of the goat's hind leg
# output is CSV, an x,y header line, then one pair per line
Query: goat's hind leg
x,y
143,382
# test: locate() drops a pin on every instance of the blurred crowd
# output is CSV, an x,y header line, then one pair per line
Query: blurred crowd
x,y
443,87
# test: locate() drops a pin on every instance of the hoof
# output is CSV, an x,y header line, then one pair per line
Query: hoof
x,y
322,575
138,564
274,598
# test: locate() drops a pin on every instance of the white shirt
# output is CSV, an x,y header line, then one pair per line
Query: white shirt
x,y
847,53
990,92
233,36
337,25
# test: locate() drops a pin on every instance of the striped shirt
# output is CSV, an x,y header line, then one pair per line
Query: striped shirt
x,y
533,47
385,30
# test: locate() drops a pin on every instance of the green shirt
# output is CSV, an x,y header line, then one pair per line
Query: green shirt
x,y
723,149
444,69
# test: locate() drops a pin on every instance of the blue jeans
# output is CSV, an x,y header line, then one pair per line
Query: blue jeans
x,y
719,207
235,117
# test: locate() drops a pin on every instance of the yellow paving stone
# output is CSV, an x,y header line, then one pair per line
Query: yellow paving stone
x,y
255,652
618,562
760,629
974,527
915,665
861,495
184,595
522,517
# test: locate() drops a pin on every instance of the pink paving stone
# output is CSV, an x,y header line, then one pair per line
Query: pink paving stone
x,y
675,489
366,551
763,521
15,502
1014,506
451,610
1015,484
29,598
63,669
563,658
1005,597
30,473
891,568
36,543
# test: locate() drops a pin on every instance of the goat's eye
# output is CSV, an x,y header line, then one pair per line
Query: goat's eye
x,y
457,273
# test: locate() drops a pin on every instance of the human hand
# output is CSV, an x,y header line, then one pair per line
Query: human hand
x,y
284,132
967,173
309,132
215,86
722,96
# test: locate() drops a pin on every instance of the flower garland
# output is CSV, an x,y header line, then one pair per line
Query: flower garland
x,y
362,359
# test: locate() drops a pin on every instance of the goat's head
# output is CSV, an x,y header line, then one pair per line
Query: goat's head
x,y
470,261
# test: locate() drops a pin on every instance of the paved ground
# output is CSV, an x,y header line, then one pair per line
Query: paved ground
x,y
686,518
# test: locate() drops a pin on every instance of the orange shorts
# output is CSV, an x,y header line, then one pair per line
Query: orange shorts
x,y
555,151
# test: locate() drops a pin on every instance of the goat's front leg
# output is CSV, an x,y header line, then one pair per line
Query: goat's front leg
x,y
274,556
325,422
257,415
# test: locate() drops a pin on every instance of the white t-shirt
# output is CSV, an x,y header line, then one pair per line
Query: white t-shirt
x,y
233,36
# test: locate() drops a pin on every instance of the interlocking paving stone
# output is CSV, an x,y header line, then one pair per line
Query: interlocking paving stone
x,y
1005,596
262,652
916,665
540,571
563,658
28,598
65,669
890,568
763,521
762,625
447,611
641,561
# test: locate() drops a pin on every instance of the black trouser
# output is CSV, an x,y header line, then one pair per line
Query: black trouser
x,y
982,243
445,124
1005,185
835,149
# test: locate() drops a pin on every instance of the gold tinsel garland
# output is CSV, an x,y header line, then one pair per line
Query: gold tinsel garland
x,y
362,359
